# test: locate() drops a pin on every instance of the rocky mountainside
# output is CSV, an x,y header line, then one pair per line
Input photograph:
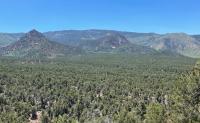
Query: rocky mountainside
x,y
108,42
35,44
175,42
114,43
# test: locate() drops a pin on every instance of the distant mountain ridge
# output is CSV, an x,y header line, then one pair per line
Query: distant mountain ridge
x,y
181,43
7,38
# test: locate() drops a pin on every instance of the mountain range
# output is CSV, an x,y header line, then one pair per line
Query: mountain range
x,y
61,43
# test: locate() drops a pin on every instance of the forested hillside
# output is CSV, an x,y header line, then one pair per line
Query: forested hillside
x,y
98,89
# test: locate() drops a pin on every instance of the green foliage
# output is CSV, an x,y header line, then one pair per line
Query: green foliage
x,y
185,98
93,88
60,119
155,113
45,118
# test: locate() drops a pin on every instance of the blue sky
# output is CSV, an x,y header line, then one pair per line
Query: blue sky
x,y
160,16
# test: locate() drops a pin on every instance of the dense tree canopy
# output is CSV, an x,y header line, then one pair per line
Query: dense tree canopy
x,y
99,88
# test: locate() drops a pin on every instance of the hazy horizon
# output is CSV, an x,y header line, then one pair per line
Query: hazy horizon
x,y
100,30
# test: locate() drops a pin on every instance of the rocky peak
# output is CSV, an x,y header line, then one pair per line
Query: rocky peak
x,y
33,37
34,33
